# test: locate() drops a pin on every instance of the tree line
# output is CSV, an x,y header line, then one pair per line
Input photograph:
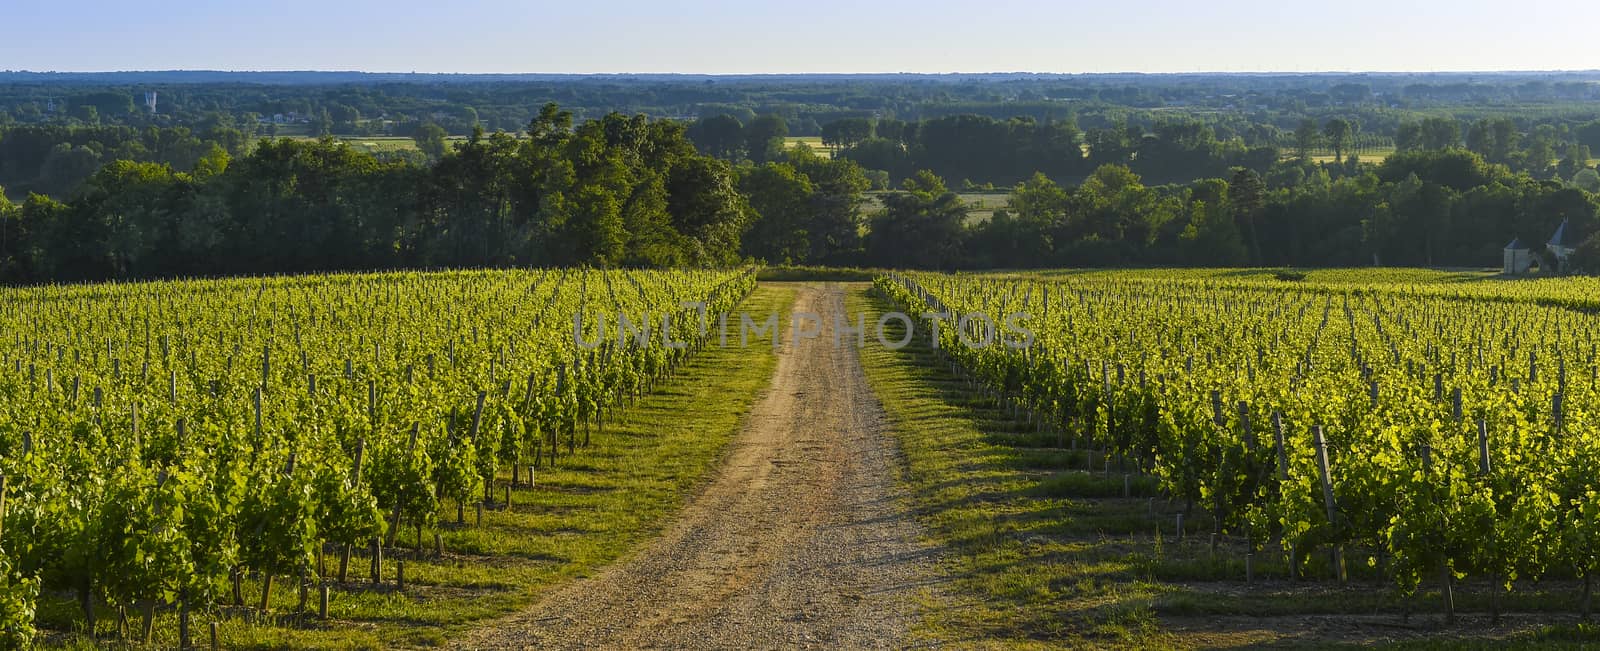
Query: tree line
x,y
56,160
979,150
621,190
628,191
1444,207
975,150
356,104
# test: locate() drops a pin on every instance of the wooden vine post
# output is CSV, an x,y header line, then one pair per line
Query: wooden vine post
x,y
477,422
1283,475
1446,593
1483,448
1327,495
1484,467
344,554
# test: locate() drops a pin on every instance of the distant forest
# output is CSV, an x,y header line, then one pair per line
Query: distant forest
x,y
253,172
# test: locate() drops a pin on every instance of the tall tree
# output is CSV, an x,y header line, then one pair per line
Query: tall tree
x,y
836,198
1440,133
551,127
764,137
721,136
1495,139
1306,137
1337,131
1587,180
1247,194
706,206
1211,237
780,203
430,139
848,132
322,123
920,227
1040,208
1540,151
10,215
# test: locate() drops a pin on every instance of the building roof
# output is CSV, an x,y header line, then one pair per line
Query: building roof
x,y
1562,238
1516,243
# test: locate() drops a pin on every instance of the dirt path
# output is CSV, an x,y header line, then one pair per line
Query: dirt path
x,y
798,541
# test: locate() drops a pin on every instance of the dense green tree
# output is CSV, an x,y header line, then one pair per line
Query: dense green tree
x,y
1440,133
764,137
836,221
65,168
596,226
470,205
781,213
721,136
1040,200
1432,133
850,132
1588,134
976,147
551,126
1247,196
1586,259
110,103
1588,180
1457,169
1306,137
122,216
178,147
346,118
1113,204
322,123
87,113
1211,237
430,139
922,226
1540,151
37,252
1408,137
740,113
1113,146
706,207
894,130
1576,159
1180,149
10,223
1421,211
652,241
1494,139
881,154
1338,132
1542,207
1025,233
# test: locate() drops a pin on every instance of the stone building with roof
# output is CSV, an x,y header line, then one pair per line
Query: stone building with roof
x,y
1561,246
1518,258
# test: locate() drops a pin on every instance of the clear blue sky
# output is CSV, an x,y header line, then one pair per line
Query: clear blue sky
x,y
754,36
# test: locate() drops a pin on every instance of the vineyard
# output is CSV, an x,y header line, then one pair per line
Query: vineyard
x,y
1418,435
191,447
303,461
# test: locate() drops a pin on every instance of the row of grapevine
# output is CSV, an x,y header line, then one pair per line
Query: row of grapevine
x,y
1433,436
162,442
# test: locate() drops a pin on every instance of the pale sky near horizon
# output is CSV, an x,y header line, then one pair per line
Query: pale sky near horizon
x,y
819,36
